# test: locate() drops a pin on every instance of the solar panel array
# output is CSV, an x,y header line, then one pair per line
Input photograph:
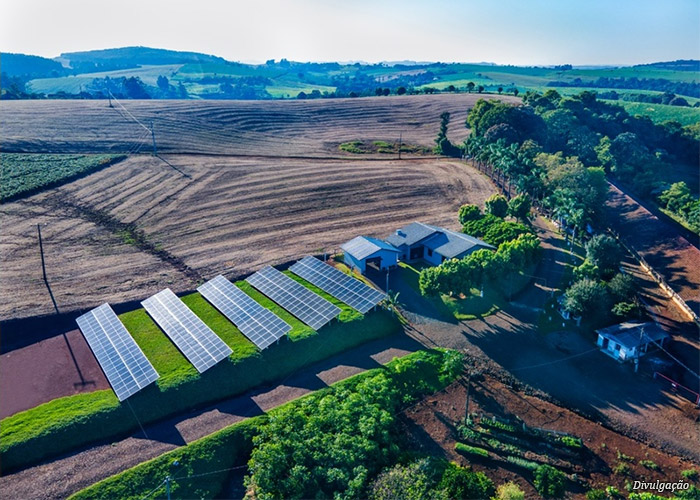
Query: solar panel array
x,y
200,345
122,360
309,307
345,288
260,325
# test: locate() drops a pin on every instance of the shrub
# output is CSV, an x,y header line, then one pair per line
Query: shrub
x,y
690,474
623,457
549,482
521,462
596,495
649,464
571,442
509,491
497,205
468,213
621,469
463,482
471,450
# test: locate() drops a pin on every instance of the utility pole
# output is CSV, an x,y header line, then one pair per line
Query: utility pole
x,y
466,406
109,96
400,143
167,486
153,136
387,280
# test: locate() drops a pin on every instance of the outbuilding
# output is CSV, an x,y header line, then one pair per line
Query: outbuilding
x,y
363,251
433,244
631,339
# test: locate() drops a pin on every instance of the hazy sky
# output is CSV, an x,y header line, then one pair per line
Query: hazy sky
x,y
523,32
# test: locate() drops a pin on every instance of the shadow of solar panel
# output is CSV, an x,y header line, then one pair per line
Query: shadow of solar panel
x,y
260,325
200,345
309,307
123,362
345,288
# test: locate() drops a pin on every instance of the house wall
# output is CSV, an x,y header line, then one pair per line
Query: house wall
x,y
350,261
389,259
435,259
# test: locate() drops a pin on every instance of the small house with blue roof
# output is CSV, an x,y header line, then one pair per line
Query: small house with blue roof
x,y
364,250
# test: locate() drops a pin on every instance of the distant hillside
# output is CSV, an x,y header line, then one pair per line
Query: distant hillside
x,y
679,65
132,57
32,66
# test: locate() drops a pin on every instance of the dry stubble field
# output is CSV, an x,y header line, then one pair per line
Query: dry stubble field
x,y
215,213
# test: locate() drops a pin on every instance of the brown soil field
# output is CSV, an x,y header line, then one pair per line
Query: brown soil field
x,y
227,215
671,255
130,230
278,128
431,428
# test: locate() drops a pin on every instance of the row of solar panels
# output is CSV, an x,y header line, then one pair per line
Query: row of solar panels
x,y
126,366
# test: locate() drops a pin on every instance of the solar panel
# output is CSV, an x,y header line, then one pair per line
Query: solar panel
x,y
345,288
309,307
122,360
197,342
260,325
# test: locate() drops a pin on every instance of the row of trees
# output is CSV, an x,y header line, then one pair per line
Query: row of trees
x,y
460,276
691,89
558,150
332,444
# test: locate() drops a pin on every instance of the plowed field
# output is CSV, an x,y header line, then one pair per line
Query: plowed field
x,y
141,225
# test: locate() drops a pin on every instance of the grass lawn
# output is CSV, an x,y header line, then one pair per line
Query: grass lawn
x,y
65,423
462,308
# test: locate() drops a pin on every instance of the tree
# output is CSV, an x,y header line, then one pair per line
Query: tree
x,y
463,482
549,482
500,90
386,91
401,91
676,196
504,231
469,212
480,89
302,95
586,297
516,92
621,287
443,146
497,205
134,88
519,207
451,88
470,87
603,251
409,482
163,83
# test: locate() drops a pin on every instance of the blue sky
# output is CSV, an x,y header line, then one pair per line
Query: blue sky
x,y
528,32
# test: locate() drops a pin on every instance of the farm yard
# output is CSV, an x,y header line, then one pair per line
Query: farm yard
x,y
241,185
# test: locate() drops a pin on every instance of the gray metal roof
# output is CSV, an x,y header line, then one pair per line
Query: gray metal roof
x,y
631,334
445,242
362,247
